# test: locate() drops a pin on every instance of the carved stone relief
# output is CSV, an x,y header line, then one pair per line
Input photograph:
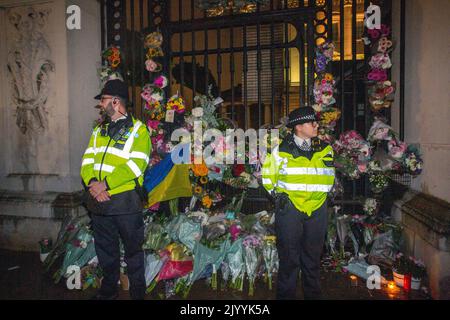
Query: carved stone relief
x,y
29,68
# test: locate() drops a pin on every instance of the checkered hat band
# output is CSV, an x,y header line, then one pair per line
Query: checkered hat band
x,y
308,117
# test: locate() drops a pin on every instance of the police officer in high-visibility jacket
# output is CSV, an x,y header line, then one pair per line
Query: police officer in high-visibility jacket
x,y
112,170
299,173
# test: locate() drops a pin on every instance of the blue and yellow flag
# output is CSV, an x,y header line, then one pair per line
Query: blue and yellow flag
x,y
167,180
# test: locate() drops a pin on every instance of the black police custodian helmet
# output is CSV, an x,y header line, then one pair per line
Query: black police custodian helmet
x,y
114,87
301,115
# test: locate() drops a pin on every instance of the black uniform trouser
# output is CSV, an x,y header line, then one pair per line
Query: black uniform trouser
x,y
107,230
300,241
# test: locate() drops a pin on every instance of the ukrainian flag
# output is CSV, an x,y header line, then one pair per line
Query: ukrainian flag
x,y
167,180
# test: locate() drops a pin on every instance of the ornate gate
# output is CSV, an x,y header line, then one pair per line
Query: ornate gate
x,y
257,55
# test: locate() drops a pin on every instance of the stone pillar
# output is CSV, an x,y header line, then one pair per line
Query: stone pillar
x,y
424,211
48,80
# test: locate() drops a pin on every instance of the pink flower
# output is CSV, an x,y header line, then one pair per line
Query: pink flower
x,y
147,94
374,33
385,30
151,65
153,124
362,168
154,207
235,230
160,82
397,150
377,75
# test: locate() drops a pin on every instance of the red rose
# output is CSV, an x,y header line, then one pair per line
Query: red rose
x,y
238,169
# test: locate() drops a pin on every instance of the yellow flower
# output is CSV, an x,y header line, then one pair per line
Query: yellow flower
x,y
115,63
203,180
206,201
328,76
200,170
198,189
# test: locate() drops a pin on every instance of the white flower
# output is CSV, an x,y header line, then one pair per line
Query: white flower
x,y
156,96
197,112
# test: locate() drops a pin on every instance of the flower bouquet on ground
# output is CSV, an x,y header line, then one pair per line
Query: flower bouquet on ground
x,y
269,251
235,261
91,276
157,238
252,246
67,233
78,252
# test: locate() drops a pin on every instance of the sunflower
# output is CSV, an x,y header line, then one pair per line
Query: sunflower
x,y
198,189
206,201
328,76
115,63
203,180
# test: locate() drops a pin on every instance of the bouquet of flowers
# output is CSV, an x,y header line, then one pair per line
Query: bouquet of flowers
x,y
251,245
157,238
324,54
371,206
91,276
112,56
106,73
412,160
324,89
352,154
380,131
235,262
378,182
176,103
381,95
270,256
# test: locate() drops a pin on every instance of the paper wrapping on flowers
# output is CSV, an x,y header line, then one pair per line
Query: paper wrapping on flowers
x,y
68,231
270,256
78,252
235,261
381,95
157,237
184,230
178,264
153,264
204,256
383,250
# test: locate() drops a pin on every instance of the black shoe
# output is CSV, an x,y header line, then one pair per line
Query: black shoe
x,y
100,296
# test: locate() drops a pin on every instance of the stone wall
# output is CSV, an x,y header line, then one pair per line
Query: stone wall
x,y
48,80
424,211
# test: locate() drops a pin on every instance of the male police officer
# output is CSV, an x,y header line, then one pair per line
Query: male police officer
x,y
299,172
112,169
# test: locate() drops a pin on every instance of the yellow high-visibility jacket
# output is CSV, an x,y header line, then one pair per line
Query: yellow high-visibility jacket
x,y
306,177
119,160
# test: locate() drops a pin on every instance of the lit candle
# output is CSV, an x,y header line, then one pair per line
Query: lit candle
x,y
391,286
354,280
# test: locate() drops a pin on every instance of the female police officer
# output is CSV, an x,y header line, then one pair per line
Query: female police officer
x,y
300,173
